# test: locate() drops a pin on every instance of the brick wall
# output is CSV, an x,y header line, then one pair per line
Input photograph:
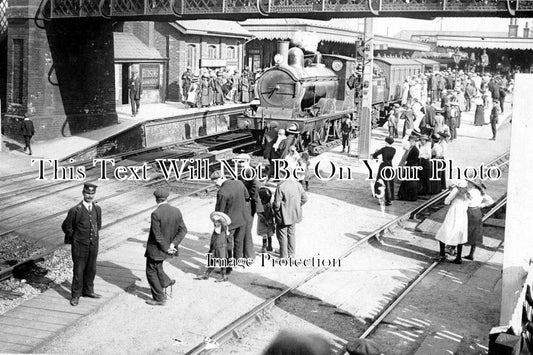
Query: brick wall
x,y
67,77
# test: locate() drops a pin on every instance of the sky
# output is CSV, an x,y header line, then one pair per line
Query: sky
x,y
392,25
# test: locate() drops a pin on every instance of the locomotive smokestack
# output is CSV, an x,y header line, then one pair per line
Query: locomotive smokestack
x,y
283,51
296,57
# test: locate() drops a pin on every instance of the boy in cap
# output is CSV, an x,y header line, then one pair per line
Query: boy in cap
x,y
28,131
81,229
167,230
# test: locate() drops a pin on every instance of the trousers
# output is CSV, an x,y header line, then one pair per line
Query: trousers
x,y
84,270
287,240
157,278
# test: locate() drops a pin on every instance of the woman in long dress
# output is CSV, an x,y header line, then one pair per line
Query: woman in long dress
x,y
408,190
479,120
454,229
487,98
478,200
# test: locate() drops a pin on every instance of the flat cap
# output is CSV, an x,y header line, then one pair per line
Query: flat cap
x,y
89,188
161,193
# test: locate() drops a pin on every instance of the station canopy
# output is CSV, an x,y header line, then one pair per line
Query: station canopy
x,y
284,29
473,39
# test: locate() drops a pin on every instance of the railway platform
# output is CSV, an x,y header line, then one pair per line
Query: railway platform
x,y
338,214
14,159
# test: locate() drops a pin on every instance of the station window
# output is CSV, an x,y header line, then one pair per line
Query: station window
x,y
212,52
191,56
18,71
232,53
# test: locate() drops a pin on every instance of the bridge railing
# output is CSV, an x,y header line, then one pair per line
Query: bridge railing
x,y
257,8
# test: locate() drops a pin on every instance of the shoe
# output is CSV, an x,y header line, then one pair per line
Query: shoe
x,y
469,257
74,301
457,261
155,303
92,295
388,203
222,279
440,258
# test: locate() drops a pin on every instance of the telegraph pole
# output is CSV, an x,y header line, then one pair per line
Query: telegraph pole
x,y
365,119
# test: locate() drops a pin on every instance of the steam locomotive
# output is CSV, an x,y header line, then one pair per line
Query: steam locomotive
x,y
316,94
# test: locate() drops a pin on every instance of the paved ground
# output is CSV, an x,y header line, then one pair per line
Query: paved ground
x,y
338,213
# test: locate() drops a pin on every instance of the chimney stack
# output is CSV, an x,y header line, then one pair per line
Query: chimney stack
x,y
526,31
513,29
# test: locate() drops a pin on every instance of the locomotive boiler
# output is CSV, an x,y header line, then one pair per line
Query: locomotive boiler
x,y
312,94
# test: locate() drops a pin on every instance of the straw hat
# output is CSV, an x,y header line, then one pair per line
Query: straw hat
x,y
220,216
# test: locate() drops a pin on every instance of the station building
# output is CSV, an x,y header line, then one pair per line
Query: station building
x,y
509,51
315,35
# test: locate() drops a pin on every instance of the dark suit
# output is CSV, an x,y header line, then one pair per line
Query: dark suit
x,y
81,230
135,89
232,199
27,132
166,227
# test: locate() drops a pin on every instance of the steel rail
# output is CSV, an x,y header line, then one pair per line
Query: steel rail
x,y
8,272
247,318
415,282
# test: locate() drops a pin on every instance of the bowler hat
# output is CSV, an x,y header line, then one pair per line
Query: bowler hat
x,y
413,137
416,133
89,188
293,128
220,216
161,193
424,137
363,347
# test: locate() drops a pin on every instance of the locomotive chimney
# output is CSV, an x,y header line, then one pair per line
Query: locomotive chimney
x,y
296,57
526,30
283,51
513,29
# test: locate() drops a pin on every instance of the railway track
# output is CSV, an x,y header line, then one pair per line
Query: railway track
x,y
184,188
235,328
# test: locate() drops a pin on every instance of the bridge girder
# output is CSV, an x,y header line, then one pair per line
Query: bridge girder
x,y
170,10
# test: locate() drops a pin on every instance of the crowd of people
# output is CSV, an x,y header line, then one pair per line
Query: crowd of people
x,y
216,87
430,113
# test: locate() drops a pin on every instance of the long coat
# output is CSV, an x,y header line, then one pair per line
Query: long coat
x,y
166,227
26,128
253,190
232,199
288,201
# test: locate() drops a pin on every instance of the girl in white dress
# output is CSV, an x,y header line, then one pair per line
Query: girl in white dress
x,y
454,229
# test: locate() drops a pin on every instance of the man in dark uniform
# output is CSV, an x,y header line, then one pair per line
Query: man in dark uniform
x,y
167,230
27,132
232,199
135,89
81,230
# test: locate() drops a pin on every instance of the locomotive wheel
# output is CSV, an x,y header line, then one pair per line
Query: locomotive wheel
x,y
323,133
